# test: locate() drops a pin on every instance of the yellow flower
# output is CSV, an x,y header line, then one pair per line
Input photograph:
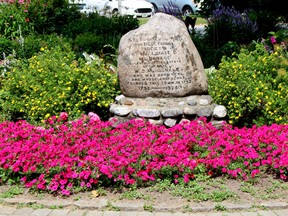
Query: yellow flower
x,y
42,49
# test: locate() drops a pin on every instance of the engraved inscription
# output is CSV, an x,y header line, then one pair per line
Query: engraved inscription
x,y
159,66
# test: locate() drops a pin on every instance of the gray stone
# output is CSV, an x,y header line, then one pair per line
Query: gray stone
x,y
77,212
219,111
129,213
119,110
128,205
95,213
190,111
247,213
145,213
141,103
266,213
171,112
119,98
110,213
162,100
59,212
128,102
217,124
41,212
181,103
274,204
159,59
23,211
191,102
281,212
148,113
7,209
96,204
156,122
204,112
203,102
170,122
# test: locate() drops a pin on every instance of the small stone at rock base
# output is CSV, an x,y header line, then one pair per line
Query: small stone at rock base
x,y
218,124
148,113
128,102
191,102
119,98
170,122
203,102
190,111
205,112
162,100
156,122
119,110
219,112
171,112
141,103
181,103
115,121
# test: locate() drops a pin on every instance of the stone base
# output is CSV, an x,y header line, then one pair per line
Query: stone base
x,y
168,111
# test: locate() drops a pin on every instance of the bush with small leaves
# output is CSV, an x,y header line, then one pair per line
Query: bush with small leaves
x,y
253,86
53,81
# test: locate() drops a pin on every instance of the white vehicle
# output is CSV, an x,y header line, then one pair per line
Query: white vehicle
x,y
135,8
184,7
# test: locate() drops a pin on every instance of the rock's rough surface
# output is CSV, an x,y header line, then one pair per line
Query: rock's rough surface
x,y
159,59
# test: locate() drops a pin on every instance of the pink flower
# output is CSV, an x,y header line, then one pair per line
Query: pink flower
x,y
63,116
273,40
54,187
94,118
254,173
186,178
65,192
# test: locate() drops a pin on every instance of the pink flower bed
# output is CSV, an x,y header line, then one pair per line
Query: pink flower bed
x,y
66,157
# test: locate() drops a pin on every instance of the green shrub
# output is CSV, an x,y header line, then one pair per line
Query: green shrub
x,y
253,86
5,47
50,16
53,81
32,44
210,55
93,32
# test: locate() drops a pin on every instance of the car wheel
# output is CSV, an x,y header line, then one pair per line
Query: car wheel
x,y
187,11
155,8
115,11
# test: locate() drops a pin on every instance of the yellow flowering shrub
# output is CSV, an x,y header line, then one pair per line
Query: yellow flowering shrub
x,y
53,81
253,86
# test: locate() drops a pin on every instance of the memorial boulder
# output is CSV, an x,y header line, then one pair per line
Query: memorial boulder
x,y
162,77
159,59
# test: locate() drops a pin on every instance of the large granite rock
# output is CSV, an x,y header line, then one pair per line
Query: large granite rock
x,y
159,59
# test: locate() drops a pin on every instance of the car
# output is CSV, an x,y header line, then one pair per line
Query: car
x,y
135,8
183,7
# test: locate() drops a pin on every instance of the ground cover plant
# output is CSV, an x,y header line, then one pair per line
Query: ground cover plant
x,y
68,157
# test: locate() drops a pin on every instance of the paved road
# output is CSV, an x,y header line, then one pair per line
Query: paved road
x,y
12,210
